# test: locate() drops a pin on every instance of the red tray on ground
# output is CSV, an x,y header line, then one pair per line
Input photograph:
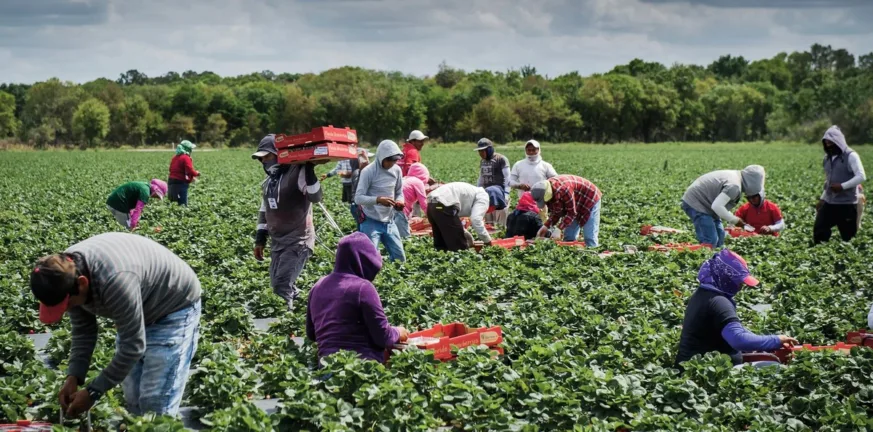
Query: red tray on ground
x,y
421,226
442,337
736,232
326,151
786,354
657,229
509,243
679,247
577,244
26,426
318,135
860,338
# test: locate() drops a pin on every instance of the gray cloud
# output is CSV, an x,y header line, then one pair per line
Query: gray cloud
x,y
770,4
84,40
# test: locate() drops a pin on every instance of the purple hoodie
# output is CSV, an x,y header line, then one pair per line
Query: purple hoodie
x,y
345,312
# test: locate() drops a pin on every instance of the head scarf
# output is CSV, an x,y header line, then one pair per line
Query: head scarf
x,y
725,273
527,204
533,160
159,188
185,147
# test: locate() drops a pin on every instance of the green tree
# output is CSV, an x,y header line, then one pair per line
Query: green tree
x,y
8,122
180,127
91,122
216,126
135,114
49,108
491,118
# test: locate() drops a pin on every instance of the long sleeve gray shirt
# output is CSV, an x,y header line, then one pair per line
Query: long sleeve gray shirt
x,y
134,282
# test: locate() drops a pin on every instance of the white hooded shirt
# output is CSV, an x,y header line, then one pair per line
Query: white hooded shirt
x,y
530,171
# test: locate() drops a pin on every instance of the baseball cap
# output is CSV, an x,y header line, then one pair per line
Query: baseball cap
x,y
483,143
534,143
265,147
52,287
417,135
538,192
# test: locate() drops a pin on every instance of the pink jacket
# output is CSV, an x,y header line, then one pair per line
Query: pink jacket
x,y
414,188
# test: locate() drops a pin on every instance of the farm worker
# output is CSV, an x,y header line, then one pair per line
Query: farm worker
x,y
573,202
413,193
364,157
762,214
493,171
380,195
525,220
151,296
450,202
412,151
709,199
285,216
838,205
345,312
531,170
127,201
343,169
182,173
711,322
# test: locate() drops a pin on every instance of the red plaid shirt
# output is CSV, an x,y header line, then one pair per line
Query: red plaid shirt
x,y
573,197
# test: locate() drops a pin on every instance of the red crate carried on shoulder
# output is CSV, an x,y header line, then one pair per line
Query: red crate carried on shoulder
x,y
318,135
442,337
860,338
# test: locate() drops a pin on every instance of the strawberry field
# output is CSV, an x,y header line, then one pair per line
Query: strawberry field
x,y
589,341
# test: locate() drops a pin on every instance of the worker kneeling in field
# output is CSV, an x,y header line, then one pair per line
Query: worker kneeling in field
x,y
573,203
525,220
761,214
711,322
345,312
380,195
450,202
286,217
414,187
838,204
128,200
709,199
153,299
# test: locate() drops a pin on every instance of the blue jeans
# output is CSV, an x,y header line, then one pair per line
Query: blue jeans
x,y
353,208
387,233
707,228
590,231
157,381
178,192
402,224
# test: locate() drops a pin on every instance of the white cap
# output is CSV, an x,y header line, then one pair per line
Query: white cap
x,y
417,135
534,143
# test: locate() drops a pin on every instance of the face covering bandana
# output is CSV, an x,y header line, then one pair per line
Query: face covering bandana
x,y
269,166
535,159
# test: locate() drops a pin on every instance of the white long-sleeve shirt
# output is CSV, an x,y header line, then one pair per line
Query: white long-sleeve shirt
x,y
719,206
472,202
857,168
526,173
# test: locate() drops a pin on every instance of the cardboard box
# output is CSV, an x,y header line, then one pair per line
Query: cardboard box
x,y
329,151
318,135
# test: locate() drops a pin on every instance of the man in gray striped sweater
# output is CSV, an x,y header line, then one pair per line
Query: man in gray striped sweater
x,y
153,298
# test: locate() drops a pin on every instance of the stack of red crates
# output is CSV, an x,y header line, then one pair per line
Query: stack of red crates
x,y
456,335
321,144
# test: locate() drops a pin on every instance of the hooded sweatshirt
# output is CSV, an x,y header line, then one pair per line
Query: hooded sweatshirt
x,y
414,186
717,192
844,168
375,182
471,201
525,220
531,170
344,311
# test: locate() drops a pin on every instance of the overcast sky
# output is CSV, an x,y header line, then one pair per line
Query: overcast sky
x,y
80,40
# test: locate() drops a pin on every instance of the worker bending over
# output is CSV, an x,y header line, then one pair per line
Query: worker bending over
x,y
452,201
711,197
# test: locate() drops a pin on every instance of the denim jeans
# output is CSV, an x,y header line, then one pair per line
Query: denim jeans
x,y
402,224
178,192
707,228
157,381
353,208
387,233
590,231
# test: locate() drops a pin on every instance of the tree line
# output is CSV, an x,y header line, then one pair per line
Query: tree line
x,y
792,96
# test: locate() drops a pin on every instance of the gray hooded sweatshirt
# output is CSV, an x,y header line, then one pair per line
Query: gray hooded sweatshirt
x,y
375,182
845,168
703,194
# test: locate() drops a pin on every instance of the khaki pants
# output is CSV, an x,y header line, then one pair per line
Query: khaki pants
x,y
496,218
861,202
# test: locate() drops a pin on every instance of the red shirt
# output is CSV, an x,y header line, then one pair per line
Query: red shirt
x,y
573,198
182,168
410,156
764,215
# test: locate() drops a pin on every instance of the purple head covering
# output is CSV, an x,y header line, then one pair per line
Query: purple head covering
x,y
725,273
356,255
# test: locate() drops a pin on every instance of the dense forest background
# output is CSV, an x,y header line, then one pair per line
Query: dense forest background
x,y
792,97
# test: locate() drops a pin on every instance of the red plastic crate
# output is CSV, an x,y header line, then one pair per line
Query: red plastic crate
x,y
26,426
680,247
319,152
509,243
657,229
860,338
577,244
786,354
421,226
318,135
457,335
736,232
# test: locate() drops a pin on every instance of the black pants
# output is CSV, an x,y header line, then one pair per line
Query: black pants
x,y
177,191
844,216
348,194
448,231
